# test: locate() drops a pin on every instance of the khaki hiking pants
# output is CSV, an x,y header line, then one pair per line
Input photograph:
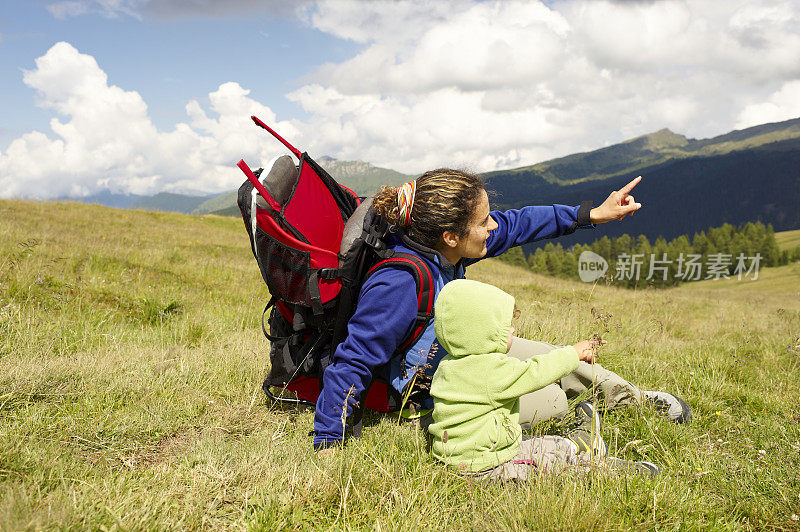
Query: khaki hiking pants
x,y
551,401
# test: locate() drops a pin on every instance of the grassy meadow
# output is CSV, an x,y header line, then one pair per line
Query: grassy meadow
x,y
788,239
131,362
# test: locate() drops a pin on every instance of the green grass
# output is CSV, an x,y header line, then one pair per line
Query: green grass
x,y
788,239
132,361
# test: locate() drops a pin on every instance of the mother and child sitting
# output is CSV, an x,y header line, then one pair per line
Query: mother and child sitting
x,y
481,390
477,387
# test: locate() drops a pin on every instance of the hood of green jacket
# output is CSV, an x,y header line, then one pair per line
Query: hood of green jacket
x,y
473,318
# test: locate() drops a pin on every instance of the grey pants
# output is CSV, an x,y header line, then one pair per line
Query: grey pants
x,y
541,454
551,401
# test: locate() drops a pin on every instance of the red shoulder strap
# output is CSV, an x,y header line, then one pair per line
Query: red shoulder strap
x,y
425,290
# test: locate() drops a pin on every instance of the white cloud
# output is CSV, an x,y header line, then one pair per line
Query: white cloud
x,y
485,85
489,45
414,133
492,84
784,104
108,140
371,20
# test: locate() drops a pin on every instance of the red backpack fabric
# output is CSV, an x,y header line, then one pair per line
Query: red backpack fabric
x,y
315,243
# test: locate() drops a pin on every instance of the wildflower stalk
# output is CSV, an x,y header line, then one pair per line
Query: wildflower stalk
x,y
409,388
350,393
598,341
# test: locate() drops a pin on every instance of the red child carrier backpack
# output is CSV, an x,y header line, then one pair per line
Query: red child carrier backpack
x,y
316,242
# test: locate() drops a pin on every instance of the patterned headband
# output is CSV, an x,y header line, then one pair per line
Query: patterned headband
x,y
405,202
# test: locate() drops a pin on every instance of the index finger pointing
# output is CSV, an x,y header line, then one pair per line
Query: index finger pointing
x,y
627,188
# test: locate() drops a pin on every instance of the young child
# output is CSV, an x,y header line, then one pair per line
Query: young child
x,y
476,391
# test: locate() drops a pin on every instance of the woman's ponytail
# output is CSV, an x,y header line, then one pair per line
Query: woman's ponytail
x,y
437,201
385,204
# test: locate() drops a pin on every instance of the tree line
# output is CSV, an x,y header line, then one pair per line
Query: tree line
x,y
720,252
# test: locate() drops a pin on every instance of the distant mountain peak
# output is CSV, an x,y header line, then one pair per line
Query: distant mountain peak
x,y
360,176
663,138
631,156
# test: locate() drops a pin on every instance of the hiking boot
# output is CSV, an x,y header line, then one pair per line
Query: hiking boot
x,y
670,406
586,430
645,469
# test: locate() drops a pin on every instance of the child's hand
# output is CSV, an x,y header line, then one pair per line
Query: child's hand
x,y
587,349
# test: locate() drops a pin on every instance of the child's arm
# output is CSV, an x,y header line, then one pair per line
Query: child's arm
x,y
515,378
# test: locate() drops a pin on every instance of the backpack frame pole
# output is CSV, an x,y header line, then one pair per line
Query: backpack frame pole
x,y
258,186
261,124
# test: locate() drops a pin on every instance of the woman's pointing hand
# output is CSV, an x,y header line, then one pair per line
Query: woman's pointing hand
x,y
617,206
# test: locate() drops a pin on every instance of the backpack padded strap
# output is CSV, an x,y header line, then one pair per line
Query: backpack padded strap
x,y
425,290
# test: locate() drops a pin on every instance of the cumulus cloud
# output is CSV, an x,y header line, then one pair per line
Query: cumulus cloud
x,y
489,45
107,140
483,85
367,21
492,84
781,105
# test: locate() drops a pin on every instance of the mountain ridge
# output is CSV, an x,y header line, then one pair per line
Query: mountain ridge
x,y
709,181
651,149
361,177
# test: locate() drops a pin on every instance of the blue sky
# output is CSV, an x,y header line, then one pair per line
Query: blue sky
x,y
145,96
167,61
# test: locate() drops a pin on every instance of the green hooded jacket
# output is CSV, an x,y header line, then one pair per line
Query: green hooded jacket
x,y
476,387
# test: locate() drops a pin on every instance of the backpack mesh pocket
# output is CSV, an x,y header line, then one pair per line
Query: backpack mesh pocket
x,y
284,269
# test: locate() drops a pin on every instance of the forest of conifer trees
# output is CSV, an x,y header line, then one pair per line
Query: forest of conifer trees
x,y
719,252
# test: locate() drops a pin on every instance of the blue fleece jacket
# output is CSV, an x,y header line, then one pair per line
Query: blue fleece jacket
x,y
387,310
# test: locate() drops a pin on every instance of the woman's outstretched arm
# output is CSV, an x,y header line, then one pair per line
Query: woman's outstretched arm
x,y
528,224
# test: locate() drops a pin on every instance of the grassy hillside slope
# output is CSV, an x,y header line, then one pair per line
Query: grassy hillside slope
x,y
217,203
788,239
361,177
167,202
132,361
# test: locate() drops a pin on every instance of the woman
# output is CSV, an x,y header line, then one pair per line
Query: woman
x,y
444,218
